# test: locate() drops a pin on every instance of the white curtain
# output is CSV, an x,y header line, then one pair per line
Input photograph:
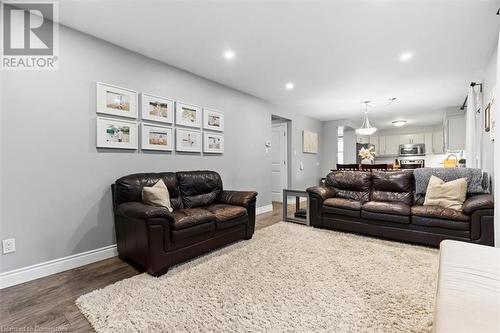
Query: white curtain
x,y
473,148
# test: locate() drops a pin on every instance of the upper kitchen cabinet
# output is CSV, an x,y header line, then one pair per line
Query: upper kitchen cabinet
x,y
374,140
438,142
454,133
362,139
411,139
391,145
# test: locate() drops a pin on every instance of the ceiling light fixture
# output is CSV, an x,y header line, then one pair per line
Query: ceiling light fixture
x,y
399,123
366,128
406,56
289,86
229,54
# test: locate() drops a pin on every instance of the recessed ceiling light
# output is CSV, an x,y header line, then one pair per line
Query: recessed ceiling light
x,y
406,56
229,54
289,86
399,123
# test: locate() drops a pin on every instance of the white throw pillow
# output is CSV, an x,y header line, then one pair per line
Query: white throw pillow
x,y
157,195
447,195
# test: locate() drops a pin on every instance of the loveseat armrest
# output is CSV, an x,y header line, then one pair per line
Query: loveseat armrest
x,y
238,198
322,192
481,201
138,210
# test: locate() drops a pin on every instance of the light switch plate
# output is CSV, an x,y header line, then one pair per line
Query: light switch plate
x,y
8,245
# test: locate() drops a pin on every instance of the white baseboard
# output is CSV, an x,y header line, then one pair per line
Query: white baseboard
x,y
25,274
264,209
29,273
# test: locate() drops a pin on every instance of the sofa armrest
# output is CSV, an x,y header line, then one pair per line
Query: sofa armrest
x,y
142,211
482,201
238,198
321,192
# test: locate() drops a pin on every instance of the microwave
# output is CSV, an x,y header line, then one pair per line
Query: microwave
x,y
412,149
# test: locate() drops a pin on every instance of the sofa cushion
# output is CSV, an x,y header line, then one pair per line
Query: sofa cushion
x,y
394,208
440,223
193,231
393,186
189,217
447,195
354,185
225,213
402,219
439,213
199,188
343,203
341,211
157,195
129,188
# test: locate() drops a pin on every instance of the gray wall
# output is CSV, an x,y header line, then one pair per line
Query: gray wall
x,y
55,184
311,172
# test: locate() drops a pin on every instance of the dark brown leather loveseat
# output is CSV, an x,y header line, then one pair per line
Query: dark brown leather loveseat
x,y
204,218
382,204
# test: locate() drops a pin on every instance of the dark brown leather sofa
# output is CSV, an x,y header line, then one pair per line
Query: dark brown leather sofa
x,y
382,204
205,217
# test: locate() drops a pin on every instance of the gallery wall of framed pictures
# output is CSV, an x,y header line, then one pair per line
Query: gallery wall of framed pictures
x,y
163,124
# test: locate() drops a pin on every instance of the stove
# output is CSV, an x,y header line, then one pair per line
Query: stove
x,y
412,163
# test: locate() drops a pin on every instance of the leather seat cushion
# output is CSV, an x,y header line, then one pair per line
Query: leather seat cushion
x,y
343,203
341,211
440,223
192,231
225,212
189,217
394,208
403,219
439,213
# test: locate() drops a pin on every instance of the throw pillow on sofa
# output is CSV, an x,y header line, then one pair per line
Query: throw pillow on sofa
x,y
157,195
447,195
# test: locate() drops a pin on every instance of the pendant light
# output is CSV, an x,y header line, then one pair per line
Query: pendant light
x,y
366,128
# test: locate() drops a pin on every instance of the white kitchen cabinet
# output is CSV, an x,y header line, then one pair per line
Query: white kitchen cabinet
x,y
437,142
411,139
455,132
362,139
391,145
374,140
428,143
381,145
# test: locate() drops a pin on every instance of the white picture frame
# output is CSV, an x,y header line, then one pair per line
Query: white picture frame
x,y
116,101
116,133
213,120
188,115
213,143
309,142
156,108
155,137
187,140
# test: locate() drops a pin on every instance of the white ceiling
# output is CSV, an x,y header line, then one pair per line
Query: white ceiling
x,y
338,53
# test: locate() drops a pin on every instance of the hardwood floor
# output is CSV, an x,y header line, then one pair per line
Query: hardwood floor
x,y
48,304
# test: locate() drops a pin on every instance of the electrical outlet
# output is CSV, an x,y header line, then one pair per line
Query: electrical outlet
x,y
9,245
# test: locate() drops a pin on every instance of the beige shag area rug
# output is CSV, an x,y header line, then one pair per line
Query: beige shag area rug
x,y
287,278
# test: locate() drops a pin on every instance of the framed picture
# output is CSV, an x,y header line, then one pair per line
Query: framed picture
x,y
157,108
213,120
116,133
188,140
116,101
487,118
492,114
187,115
310,142
213,143
154,137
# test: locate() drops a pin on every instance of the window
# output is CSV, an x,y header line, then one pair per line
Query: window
x,y
340,145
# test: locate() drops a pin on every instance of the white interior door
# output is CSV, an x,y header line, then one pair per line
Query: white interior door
x,y
279,167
